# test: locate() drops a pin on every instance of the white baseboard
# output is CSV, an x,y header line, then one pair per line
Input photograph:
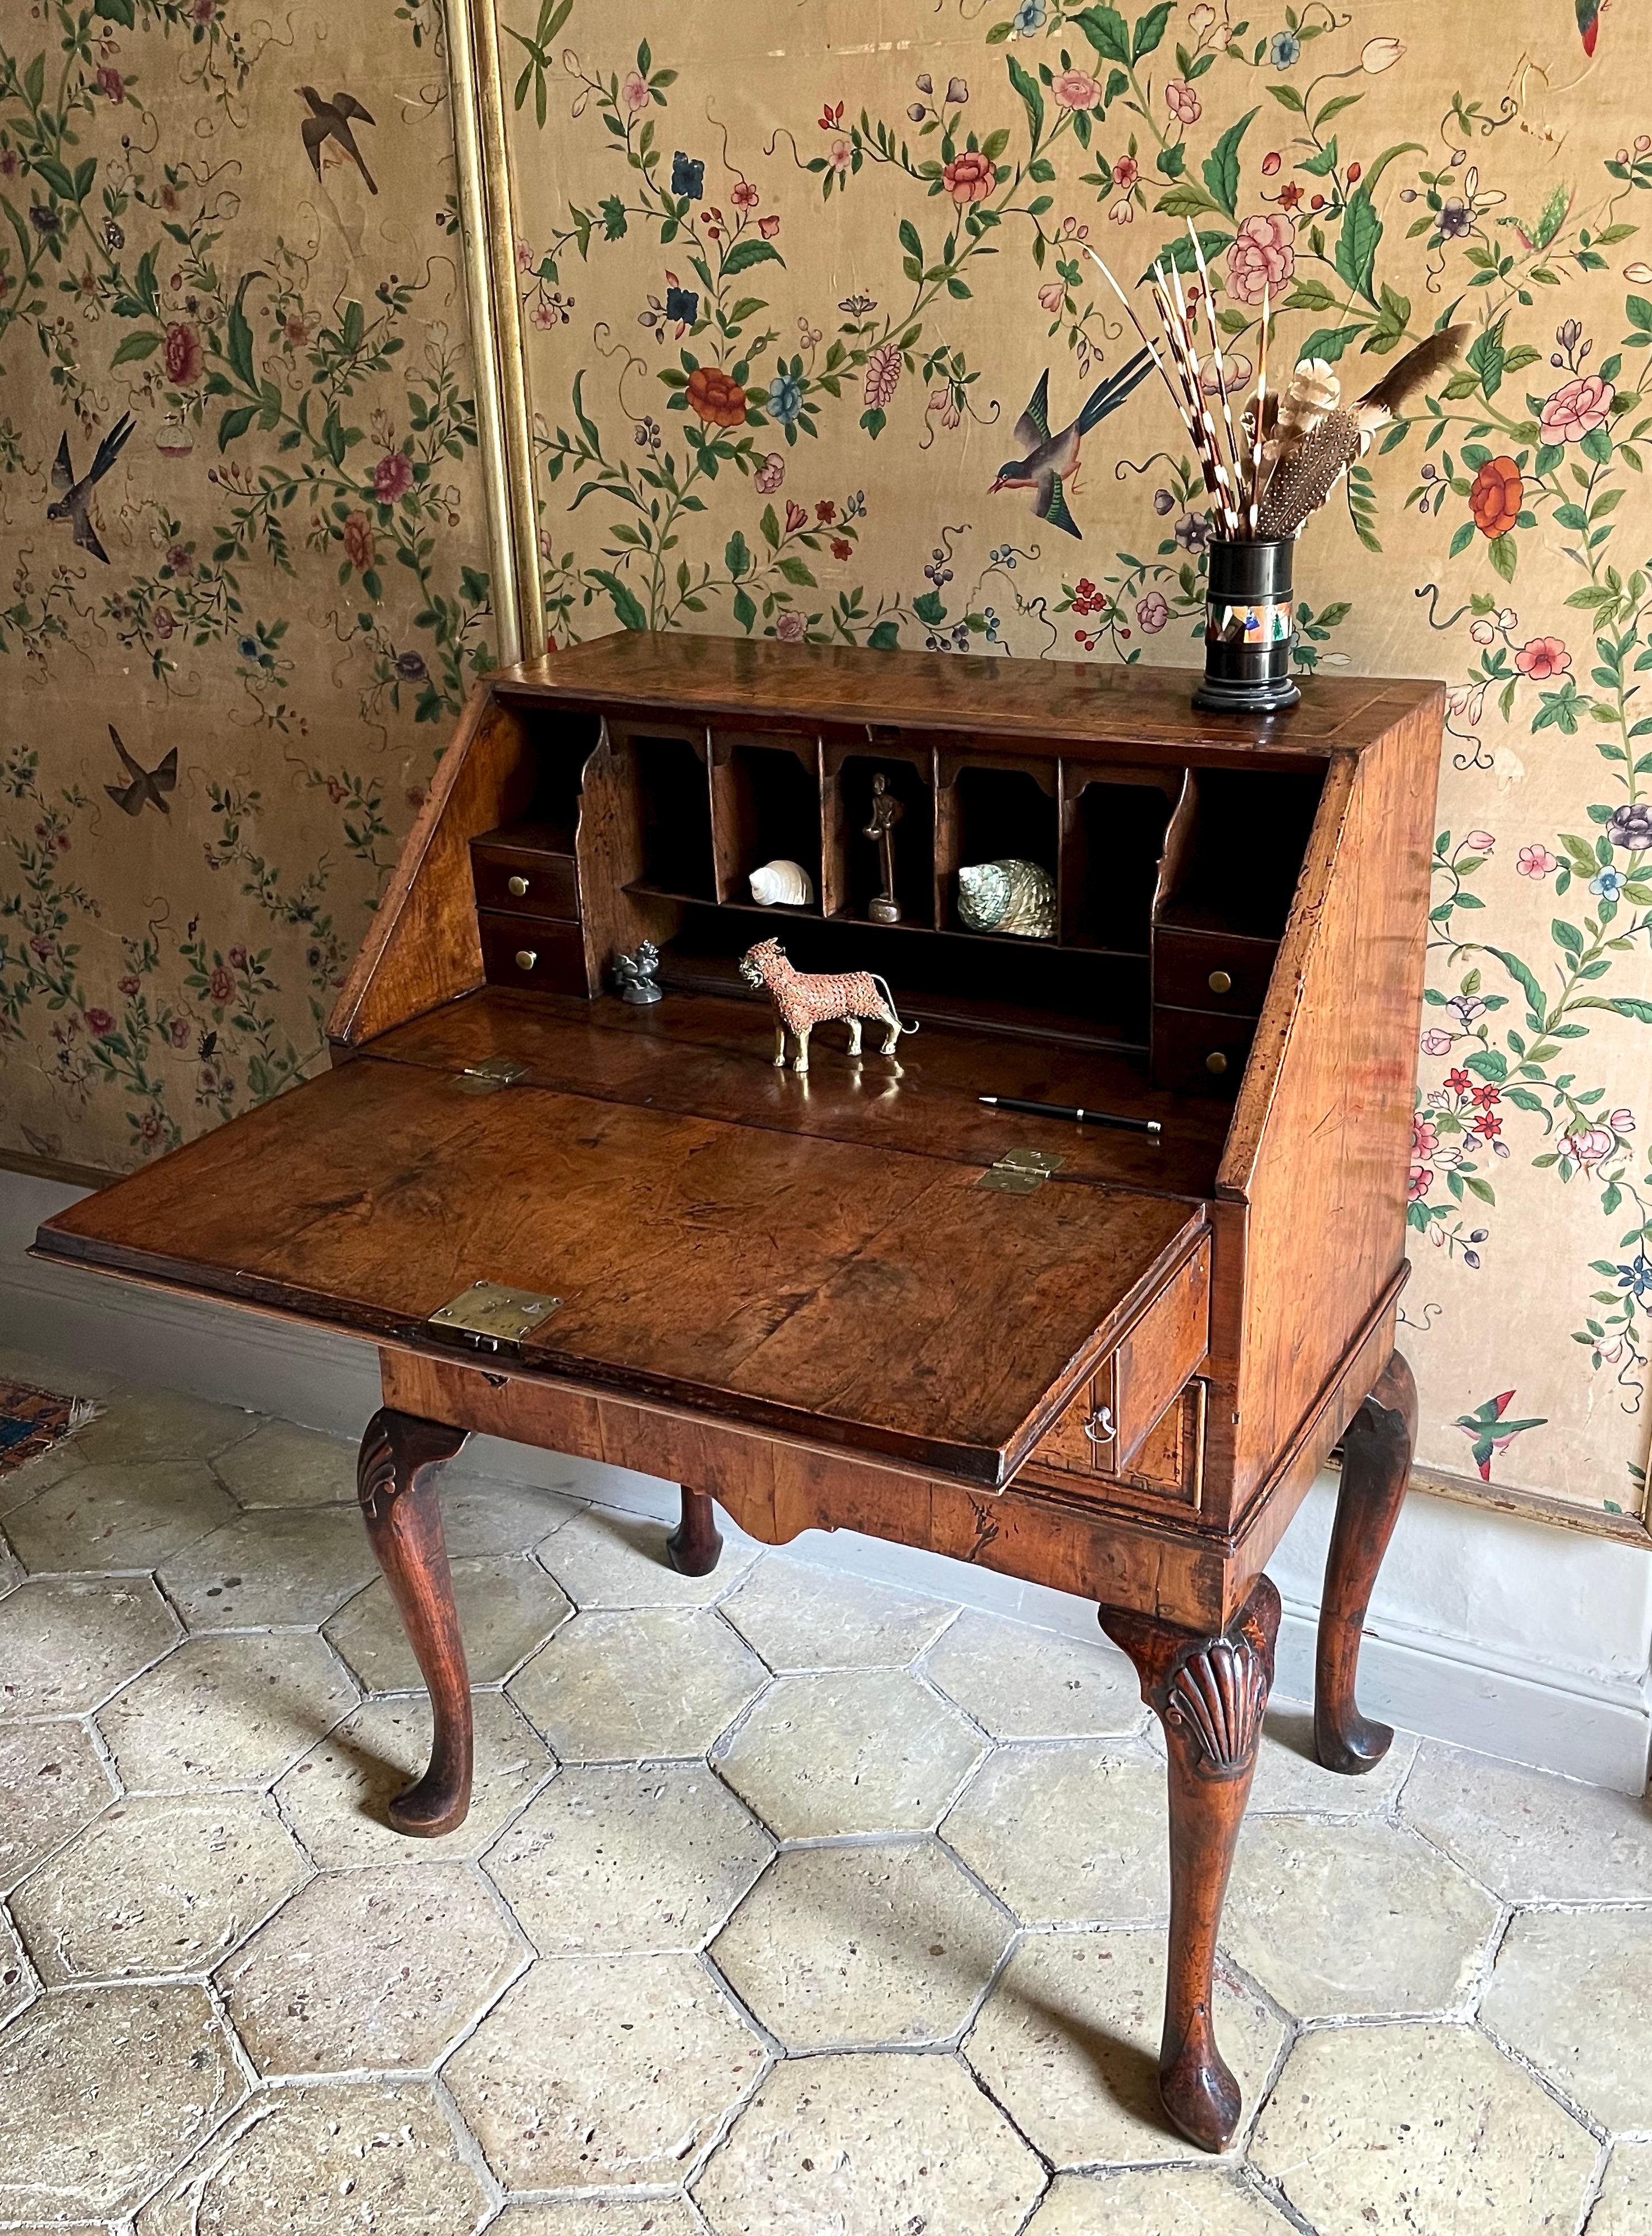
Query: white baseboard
x,y
1589,1717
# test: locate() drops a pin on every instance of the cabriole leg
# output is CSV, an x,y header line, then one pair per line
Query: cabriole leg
x,y
1376,1467
1210,1694
694,1546
396,1483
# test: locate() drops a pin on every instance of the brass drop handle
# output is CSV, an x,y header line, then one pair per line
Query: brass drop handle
x,y
526,958
1214,1061
1218,982
519,886
1099,1427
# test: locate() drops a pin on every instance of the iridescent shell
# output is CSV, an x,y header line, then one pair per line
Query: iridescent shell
x,y
787,882
1010,896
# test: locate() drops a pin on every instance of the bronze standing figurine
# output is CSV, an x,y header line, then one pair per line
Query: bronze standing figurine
x,y
887,811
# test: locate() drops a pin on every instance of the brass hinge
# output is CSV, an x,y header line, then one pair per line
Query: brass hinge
x,y
488,1076
492,1318
1019,1172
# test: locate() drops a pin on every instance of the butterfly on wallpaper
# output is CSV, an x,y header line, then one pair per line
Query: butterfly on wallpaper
x,y
329,119
147,785
1048,459
1489,1431
72,500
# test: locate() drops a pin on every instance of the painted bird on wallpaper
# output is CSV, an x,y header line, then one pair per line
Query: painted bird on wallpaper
x,y
146,786
1047,459
329,119
1588,16
73,502
1489,1431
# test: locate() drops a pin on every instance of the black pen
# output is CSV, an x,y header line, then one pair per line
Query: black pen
x,y
1079,1116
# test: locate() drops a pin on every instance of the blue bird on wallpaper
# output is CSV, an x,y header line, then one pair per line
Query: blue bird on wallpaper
x,y
1047,460
72,498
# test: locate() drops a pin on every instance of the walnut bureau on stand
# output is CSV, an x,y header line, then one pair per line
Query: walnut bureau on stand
x,y
1101,1360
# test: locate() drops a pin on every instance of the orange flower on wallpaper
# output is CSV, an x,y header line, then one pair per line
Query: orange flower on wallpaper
x,y
1495,498
358,542
716,397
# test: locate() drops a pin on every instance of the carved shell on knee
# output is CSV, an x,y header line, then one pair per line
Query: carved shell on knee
x,y
784,883
1009,896
1219,1696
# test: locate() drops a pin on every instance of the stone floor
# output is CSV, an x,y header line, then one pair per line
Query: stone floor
x,y
789,1903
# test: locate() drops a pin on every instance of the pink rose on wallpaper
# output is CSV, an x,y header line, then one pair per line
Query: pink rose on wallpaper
x,y
1536,862
1479,842
1076,89
1152,612
1542,657
182,354
1419,1180
162,622
1588,1147
358,542
633,91
969,178
111,84
221,985
1435,1042
1263,255
178,1032
1125,173
770,474
1182,102
99,1022
883,374
789,628
392,477
1576,408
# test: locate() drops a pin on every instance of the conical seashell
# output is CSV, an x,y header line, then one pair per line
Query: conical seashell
x,y
1009,896
783,884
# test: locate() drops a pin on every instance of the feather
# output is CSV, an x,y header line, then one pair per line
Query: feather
x,y
1414,371
1306,476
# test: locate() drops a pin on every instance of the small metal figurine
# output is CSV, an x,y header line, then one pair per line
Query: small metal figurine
x,y
638,975
887,811
804,999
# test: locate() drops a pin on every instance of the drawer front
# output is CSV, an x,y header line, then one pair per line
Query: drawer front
x,y
512,878
1109,1419
519,951
1217,971
1169,1465
1200,1052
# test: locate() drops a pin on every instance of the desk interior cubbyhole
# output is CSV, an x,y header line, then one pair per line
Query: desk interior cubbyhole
x,y
542,810
769,811
675,809
1244,851
998,814
859,873
1115,837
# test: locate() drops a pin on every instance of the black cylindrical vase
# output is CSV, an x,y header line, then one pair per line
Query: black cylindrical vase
x,y
1248,629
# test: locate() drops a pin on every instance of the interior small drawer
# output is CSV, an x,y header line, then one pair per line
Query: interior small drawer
x,y
523,882
1109,1419
1212,971
527,952
1200,1051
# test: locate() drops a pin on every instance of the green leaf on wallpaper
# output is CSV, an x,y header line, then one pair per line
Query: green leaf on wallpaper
x,y
1334,108
117,11
737,555
796,570
1322,165
1150,29
1526,982
240,334
1489,358
1330,342
1554,216
136,345
1185,198
1179,252
929,609
744,612
1221,166
749,252
1356,245
1621,1005
1032,101
1107,32
885,637
628,612
34,81
1393,316
1504,557
1288,98
1640,312
1309,295
770,527
235,423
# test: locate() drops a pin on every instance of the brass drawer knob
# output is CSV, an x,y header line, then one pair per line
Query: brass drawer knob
x,y
1218,982
519,887
1214,1061
526,958
1099,1425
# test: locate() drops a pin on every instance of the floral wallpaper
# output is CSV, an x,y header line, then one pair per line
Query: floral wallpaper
x,y
243,585
788,278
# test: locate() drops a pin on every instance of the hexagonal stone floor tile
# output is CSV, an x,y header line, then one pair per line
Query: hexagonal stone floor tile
x,y
1024,1684
643,1686
508,1608
274,1566
867,2147
337,1798
66,1644
161,1425
1068,2043
102,2091
641,1859
1624,2208
600,2216
853,1751
379,1968
1175,2201
54,1781
1529,1836
802,1618
315,2161
225,1711
604,1558
1572,1992
281,1466
849,1947
165,1884
1288,1778
604,2072
480,1515
1421,2127
124,1515
1070,1834
1337,1920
